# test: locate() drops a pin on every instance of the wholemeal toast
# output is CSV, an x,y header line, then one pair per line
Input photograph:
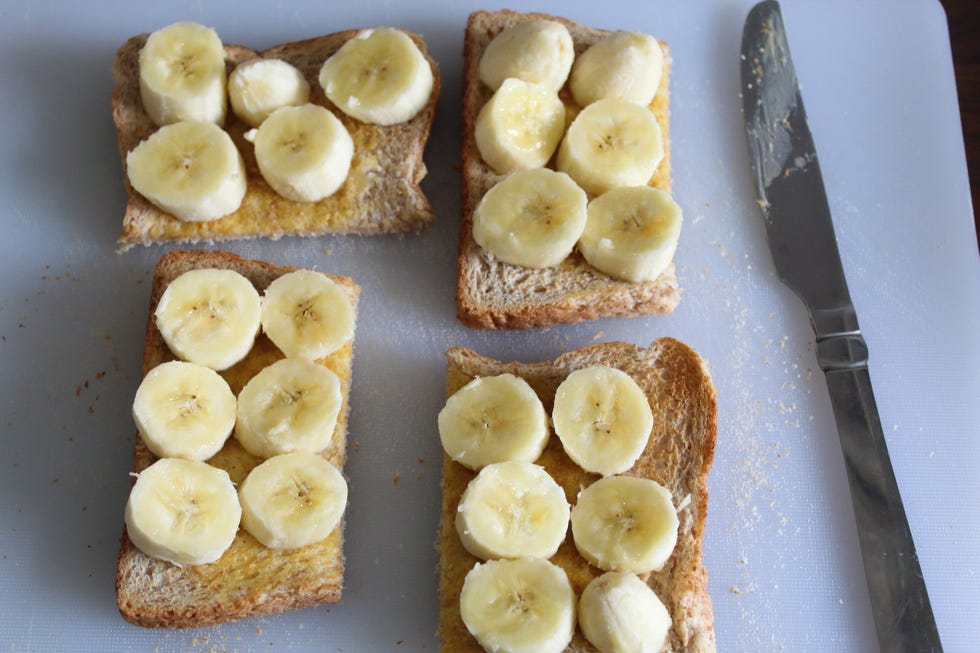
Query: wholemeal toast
x,y
678,456
249,579
381,193
492,294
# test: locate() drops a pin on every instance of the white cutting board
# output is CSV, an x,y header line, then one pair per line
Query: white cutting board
x,y
781,547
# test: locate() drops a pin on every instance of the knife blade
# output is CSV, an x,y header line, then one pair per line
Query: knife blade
x,y
790,191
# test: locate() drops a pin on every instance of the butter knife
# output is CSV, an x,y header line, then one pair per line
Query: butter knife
x,y
789,189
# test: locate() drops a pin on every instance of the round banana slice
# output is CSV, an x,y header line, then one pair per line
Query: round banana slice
x,y
623,65
191,170
292,500
532,218
602,418
209,317
618,612
536,51
183,410
183,511
493,419
512,509
631,233
291,405
303,152
182,75
307,315
258,87
610,144
380,76
520,127
624,523
519,606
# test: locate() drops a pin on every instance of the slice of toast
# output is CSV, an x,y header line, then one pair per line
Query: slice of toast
x,y
249,579
495,295
381,193
678,456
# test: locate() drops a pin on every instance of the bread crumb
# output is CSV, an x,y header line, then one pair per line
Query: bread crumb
x,y
421,460
258,630
598,335
328,251
394,479
734,590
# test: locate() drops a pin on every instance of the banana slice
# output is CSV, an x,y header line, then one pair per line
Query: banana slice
x,y
611,143
512,509
623,523
291,405
303,152
631,233
258,87
209,317
183,511
292,500
182,75
519,606
183,410
623,65
602,418
536,51
532,218
307,315
520,127
493,419
379,76
619,613
191,170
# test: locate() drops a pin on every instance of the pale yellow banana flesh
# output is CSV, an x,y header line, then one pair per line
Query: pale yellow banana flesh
x,y
379,76
512,509
632,233
624,523
602,418
209,317
191,170
307,315
182,75
493,419
519,606
258,87
183,511
303,152
291,405
532,218
536,51
610,144
292,500
619,613
623,65
183,410
520,127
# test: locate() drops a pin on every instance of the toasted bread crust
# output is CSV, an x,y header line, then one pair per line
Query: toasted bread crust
x,y
679,454
381,194
492,294
249,579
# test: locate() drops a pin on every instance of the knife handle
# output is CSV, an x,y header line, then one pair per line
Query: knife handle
x,y
902,612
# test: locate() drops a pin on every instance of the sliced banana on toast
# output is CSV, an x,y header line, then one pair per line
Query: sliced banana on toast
x,y
493,419
307,315
519,606
182,75
380,76
183,511
602,418
532,218
209,317
520,127
512,509
183,410
536,51
623,65
292,500
258,87
291,405
625,523
303,152
619,613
